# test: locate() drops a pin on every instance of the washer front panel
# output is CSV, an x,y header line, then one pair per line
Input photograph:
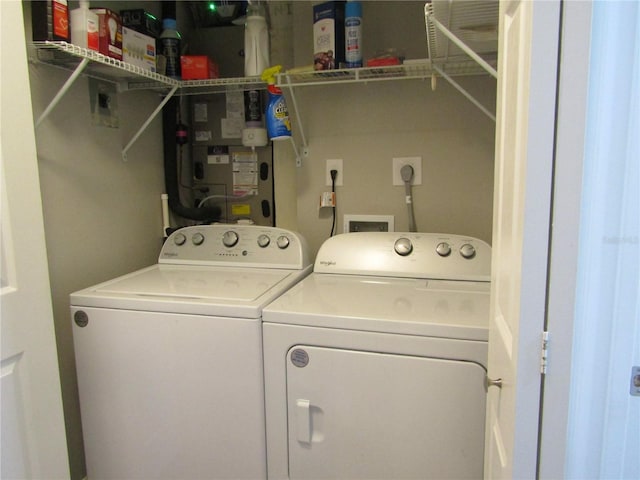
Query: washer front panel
x,y
170,396
438,308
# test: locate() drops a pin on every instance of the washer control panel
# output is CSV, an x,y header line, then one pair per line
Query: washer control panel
x,y
413,255
246,245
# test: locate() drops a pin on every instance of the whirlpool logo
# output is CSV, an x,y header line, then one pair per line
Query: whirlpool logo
x,y
327,263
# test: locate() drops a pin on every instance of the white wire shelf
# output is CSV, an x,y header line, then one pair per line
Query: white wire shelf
x,y
132,77
355,75
125,75
459,28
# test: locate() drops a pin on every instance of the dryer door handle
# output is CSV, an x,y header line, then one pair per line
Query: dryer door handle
x,y
303,421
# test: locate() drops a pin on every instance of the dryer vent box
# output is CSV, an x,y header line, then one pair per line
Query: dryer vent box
x,y
368,223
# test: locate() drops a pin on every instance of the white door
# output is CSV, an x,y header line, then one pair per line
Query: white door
x,y
33,436
528,47
366,415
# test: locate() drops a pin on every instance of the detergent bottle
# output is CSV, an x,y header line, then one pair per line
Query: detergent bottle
x,y
277,114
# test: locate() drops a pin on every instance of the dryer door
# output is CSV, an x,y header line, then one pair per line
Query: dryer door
x,y
358,415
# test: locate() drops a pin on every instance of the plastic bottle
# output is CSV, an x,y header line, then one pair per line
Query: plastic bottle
x,y
277,114
256,41
353,34
170,47
84,27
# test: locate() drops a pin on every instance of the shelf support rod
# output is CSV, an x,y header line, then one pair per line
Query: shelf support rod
x,y
149,120
463,46
461,89
76,73
299,121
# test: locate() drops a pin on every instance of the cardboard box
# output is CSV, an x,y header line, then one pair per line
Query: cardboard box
x,y
141,21
110,33
50,20
328,35
198,67
138,49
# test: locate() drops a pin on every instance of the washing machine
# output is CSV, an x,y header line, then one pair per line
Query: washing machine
x,y
375,364
169,358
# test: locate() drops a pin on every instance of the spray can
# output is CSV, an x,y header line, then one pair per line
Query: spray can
x,y
277,115
170,47
353,34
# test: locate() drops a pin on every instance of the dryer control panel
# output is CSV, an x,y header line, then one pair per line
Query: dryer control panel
x,y
411,255
242,245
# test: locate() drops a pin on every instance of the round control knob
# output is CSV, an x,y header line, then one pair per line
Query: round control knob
x,y
197,238
403,246
230,238
263,241
283,241
443,249
467,250
179,239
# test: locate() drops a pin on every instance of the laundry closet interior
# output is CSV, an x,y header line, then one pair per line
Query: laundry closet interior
x,y
102,183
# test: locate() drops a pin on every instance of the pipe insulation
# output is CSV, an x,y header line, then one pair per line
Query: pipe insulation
x,y
171,174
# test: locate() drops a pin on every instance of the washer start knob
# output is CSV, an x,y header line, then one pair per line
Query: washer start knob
x,y
467,251
283,242
229,238
403,246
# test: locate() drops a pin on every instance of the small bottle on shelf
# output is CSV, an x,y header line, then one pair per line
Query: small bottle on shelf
x,y
170,47
84,27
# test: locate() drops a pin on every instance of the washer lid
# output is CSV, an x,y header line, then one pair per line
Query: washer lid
x,y
437,308
228,291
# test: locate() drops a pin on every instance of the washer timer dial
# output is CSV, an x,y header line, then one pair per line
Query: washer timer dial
x,y
230,238
443,249
403,246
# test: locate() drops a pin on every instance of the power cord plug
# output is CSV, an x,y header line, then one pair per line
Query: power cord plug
x,y
334,175
406,173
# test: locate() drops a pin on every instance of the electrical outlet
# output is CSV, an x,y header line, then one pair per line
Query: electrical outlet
x,y
398,163
334,164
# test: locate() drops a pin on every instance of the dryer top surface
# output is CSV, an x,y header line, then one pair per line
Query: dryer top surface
x,y
437,308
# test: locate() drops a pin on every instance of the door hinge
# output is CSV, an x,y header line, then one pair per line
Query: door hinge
x,y
544,352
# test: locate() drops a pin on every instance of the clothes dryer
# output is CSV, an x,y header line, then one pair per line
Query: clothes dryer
x,y
169,358
375,364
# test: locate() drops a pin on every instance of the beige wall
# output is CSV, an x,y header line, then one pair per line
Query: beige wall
x,y
367,125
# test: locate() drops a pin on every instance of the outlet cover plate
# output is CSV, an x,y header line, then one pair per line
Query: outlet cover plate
x,y
334,164
399,162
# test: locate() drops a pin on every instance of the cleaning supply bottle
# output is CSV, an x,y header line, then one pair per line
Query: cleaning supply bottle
x,y
353,34
170,47
277,115
84,27
256,40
